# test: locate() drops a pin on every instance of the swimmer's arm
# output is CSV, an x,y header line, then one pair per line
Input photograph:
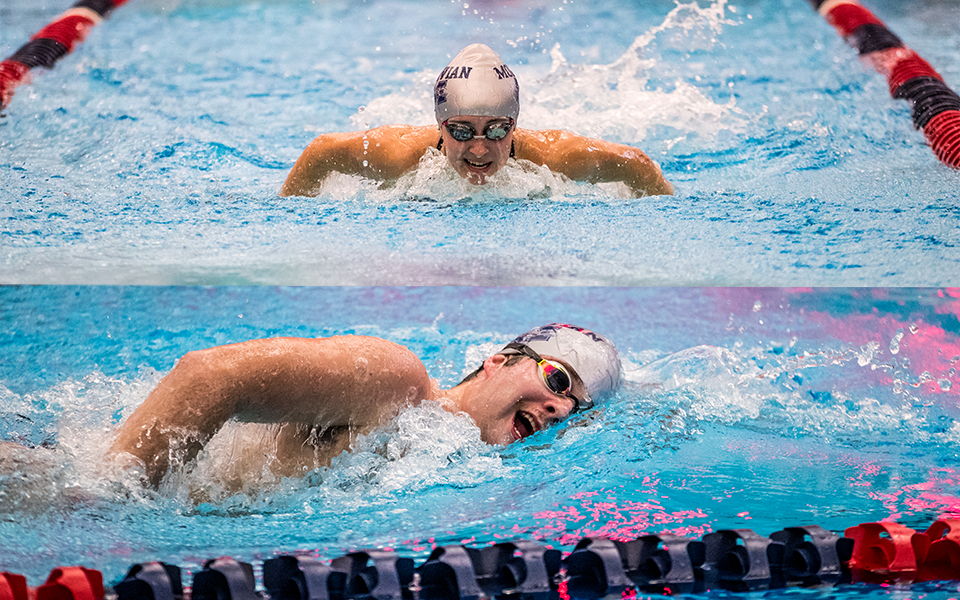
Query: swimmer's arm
x,y
382,153
591,160
351,381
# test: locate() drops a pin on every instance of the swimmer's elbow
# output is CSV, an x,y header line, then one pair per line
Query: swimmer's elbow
x,y
326,153
664,188
201,368
298,184
649,179
657,188
288,189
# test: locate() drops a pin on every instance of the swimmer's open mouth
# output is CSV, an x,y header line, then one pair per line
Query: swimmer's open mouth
x,y
474,165
524,424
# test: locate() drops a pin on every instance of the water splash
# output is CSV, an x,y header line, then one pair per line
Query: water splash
x,y
803,393
611,101
434,180
69,468
423,447
614,102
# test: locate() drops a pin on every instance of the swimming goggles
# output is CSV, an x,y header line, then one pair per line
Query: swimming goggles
x,y
554,376
464,133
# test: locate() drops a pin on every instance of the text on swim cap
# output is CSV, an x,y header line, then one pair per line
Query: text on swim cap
x,y
503,72
440,92
455,73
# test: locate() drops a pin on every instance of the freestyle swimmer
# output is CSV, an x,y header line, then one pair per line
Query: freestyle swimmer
x,y
477,104
326,391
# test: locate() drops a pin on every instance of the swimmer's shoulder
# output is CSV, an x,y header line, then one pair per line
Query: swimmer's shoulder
x,y
543,146
417,137
398,148
405,367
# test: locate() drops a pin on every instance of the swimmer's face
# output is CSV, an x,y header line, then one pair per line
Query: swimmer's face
x,y
512,402
478,158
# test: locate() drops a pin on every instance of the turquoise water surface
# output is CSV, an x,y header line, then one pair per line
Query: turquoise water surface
x,y
153,154
138,188
756,408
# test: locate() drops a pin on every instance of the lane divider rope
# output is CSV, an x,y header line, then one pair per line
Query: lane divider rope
x,y
52,43
736,560
935,107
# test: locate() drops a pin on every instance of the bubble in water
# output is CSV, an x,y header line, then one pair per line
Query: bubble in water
x,y
945,384
757,306
867,352
895,342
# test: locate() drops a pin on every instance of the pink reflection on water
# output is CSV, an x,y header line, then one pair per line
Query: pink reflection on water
x,y
932,354
929,497
604,513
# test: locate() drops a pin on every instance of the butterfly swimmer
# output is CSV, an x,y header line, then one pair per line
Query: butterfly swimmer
x,y
477,105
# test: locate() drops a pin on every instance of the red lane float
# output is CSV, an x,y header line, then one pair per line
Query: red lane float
x,y
52,43
72,583
885,549
935,107
13,587
941,560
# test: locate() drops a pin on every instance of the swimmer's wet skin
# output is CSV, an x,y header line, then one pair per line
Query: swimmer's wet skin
x,y
349,385
477,92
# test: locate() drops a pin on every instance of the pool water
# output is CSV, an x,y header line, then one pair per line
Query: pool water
x,y
741,408
154,152
148,161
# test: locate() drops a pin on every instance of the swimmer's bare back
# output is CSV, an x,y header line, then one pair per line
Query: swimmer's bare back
x,y
388,152
338,383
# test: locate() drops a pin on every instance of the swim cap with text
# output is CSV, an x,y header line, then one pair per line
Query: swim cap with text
x,y
477,83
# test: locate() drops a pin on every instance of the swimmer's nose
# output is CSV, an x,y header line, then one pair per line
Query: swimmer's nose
x,y
478,146
558,408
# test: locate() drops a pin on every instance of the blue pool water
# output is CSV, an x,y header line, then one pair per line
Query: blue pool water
x,y
756,408
153,153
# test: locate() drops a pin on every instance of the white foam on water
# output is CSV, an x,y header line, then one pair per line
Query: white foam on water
x,y
435,180
71,467
830,394
423,447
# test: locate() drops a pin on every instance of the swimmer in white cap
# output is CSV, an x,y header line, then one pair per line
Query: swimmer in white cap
x,y
477,105
327,391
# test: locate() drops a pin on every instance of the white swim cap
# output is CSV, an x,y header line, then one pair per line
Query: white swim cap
x,y
476,82
591,355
